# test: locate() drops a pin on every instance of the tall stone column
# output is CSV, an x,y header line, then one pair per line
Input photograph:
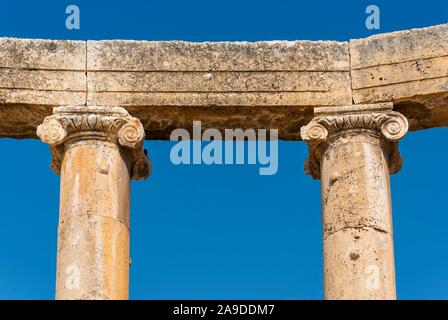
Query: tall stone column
x,y
353,150
96,151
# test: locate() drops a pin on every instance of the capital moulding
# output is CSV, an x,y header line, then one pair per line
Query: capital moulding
x,y
70,124
374,119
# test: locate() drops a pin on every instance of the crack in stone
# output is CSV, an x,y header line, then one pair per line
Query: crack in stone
x,y
361,226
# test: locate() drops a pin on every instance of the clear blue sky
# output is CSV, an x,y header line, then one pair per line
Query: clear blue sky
x,y
222,232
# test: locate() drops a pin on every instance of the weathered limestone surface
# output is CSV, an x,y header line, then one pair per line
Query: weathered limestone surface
x,y
355,96
352,151
274,84
249,85
218,74
93,236
36,75
409,68
96,150
42,72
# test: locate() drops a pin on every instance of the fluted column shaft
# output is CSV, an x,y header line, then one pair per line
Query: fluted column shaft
x,y
352,151
96,151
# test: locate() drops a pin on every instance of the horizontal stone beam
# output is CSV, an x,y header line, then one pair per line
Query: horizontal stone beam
x,y
273,84
409,68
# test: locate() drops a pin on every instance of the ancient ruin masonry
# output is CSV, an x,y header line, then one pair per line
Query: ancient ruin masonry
x,y
95,102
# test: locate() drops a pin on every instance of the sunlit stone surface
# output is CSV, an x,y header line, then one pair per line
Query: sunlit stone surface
x,y
352,100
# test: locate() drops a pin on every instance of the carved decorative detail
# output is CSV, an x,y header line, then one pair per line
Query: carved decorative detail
x,y
377,119
395,127
113,124
131,133
52,131
314,131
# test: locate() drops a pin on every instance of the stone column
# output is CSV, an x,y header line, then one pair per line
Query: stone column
x,y
96,151
353,150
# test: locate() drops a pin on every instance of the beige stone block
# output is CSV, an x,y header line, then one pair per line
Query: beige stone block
x,y
257,81
406,91
36,74
42,54
408,68
123,55
401,46
399,73
23,97
45,80
222,99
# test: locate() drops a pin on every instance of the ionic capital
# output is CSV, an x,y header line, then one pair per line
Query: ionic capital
x,y
374,119
70,124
